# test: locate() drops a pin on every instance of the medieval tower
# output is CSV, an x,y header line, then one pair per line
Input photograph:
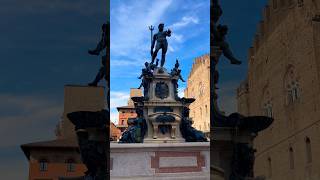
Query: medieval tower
x,y
198,88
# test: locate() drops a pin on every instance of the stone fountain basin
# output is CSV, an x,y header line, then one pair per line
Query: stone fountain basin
x,y
253,124
165,117
256,123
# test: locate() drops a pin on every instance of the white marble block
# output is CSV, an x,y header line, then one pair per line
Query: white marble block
x,y
160,161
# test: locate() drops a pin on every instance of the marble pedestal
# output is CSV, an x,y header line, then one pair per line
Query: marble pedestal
x,y
165,161
163,109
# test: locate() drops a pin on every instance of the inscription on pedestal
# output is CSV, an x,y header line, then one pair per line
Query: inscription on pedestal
x,y
190,161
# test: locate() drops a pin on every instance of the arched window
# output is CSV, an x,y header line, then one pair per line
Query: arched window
x,y
267,105
43,165
192,93
206,107
282,3
291,158
315,3
290,2
70,165
308,150
268,111
275,4
269,168
300,3
291,85
293,92
201,89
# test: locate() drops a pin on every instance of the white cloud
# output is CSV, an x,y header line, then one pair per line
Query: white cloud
x,y
122,63
170,49
186,20
114,117
181,91
177,37
131,35
117,99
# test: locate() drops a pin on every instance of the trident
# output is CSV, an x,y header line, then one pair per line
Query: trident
x,y
151,28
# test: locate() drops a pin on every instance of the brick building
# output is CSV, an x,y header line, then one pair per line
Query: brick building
x,y
198,87
128,111
283,81
115,132
49,160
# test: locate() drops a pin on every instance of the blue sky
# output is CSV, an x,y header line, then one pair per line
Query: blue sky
x,y
44,46
189,21
242,18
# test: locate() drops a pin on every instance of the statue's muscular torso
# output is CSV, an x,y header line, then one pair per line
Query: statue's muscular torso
x,y
161,36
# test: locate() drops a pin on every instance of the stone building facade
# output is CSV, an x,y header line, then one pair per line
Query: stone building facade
x,y
198,87
128,111
283,81
115,132
60,157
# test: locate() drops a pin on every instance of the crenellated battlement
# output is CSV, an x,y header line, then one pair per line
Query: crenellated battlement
x,y
273,15
204,59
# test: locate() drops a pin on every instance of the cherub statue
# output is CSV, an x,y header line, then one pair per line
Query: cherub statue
x,y
146,71
100,47
162,43
176,75
174,71
146,76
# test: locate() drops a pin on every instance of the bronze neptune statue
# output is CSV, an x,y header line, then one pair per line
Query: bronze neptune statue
x,y
162,43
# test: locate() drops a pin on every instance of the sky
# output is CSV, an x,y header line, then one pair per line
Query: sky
x,y
44,47
189,22
242,18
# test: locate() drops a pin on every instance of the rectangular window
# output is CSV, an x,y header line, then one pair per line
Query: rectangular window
x,y
43,166
71,167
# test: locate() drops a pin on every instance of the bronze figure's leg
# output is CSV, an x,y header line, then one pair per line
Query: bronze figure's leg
x,y
164,51
99,76
154,55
